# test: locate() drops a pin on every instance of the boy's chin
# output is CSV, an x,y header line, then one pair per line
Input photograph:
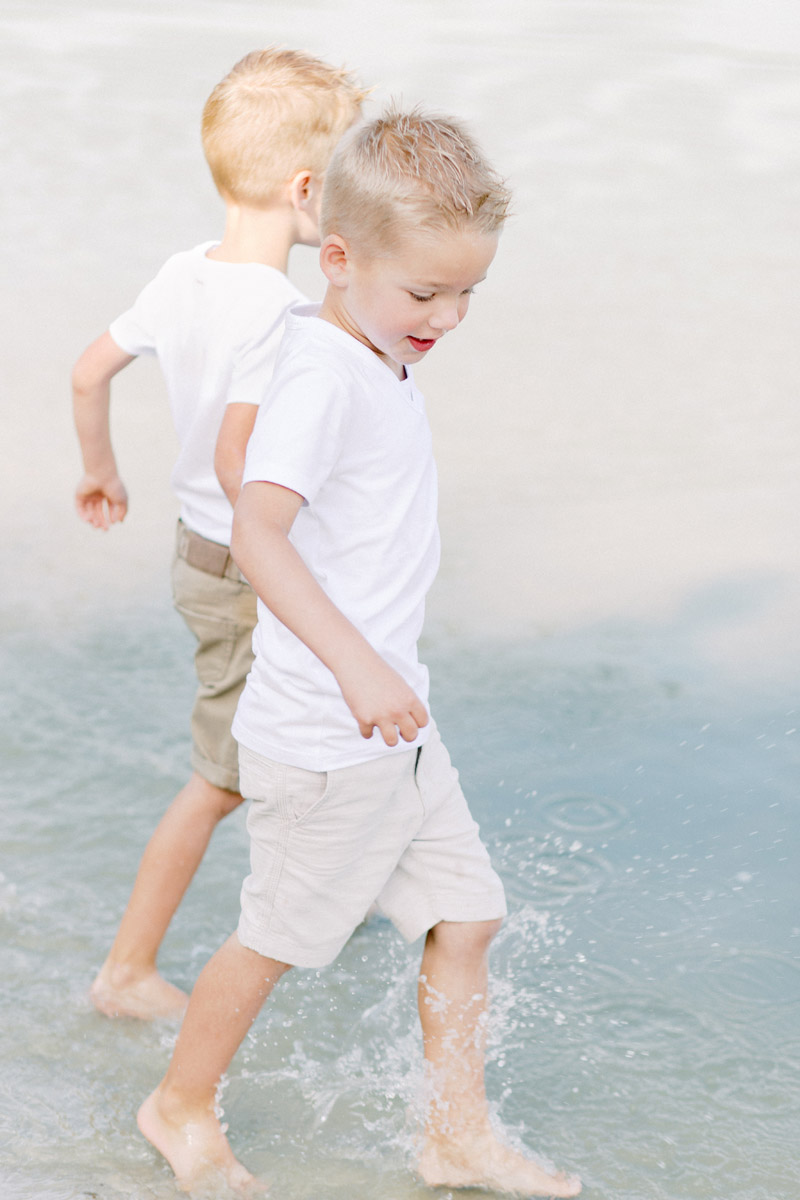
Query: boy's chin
x,y
410,354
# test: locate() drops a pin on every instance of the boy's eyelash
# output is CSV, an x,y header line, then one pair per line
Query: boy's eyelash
x,y
423,299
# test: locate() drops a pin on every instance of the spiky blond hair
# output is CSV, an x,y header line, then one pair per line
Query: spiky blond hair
x,y
409,171
275,113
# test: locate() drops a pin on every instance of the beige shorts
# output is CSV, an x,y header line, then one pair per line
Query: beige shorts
x,y
324,846
220,610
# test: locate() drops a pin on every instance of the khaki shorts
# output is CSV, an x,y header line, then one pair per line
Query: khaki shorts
x,y
324,846
220,610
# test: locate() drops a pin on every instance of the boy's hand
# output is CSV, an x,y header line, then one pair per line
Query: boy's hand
x,y
101,503
378,696
100,497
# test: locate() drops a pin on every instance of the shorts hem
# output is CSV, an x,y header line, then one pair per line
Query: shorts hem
x,y
412,929
221,777
282,950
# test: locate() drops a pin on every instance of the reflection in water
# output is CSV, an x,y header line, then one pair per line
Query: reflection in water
x,y
611,641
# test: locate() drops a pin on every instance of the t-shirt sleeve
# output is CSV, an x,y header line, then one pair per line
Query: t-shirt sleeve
x,y
255,364
136,330
299,432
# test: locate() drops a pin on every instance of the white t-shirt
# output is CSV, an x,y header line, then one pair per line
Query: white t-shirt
x,y
215,328
340,429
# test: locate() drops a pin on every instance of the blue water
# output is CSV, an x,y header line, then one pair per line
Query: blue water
x,y
646,985
613,640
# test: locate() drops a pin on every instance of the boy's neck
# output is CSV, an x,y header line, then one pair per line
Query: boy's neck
x,y
257,235
335,313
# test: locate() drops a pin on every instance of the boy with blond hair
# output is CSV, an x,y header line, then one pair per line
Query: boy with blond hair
x,y
214,318
336,529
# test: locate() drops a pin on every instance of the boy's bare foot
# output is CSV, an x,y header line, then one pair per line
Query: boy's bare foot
x,y
484,1161
119,992
196,1149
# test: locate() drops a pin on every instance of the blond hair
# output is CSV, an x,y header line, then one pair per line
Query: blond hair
x,y
409,171
275,113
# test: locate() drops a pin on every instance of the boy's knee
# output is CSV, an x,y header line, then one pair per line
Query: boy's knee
x,y
483,933
464,937
216,801
228,802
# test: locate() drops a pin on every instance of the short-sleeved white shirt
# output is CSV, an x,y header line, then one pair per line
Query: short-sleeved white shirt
x,y
215,328
340,429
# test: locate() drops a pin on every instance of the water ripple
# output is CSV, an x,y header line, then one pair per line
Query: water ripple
x,y
755,978
645,919
550,872
642,1024
771,1091
582,813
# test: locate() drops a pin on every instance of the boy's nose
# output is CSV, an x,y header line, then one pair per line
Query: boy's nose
x,y
447,317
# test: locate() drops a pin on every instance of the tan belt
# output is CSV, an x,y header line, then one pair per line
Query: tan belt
x,y
206,555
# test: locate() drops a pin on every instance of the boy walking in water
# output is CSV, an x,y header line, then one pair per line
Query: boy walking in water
x,y
336,530
214,317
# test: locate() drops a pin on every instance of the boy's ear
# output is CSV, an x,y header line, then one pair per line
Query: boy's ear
x,y
334,259
303,189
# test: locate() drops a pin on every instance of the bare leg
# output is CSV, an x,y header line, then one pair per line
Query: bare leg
x,y
128,984
179,1118
460,1148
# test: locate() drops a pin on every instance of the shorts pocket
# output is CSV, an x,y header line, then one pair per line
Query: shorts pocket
x,y
206,609
292,793
304,792
216,642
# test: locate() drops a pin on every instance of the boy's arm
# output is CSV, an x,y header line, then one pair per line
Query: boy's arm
x,y
374,692
100,496
234,434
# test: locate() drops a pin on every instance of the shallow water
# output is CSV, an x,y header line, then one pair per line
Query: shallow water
x,y
646,986
613,640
